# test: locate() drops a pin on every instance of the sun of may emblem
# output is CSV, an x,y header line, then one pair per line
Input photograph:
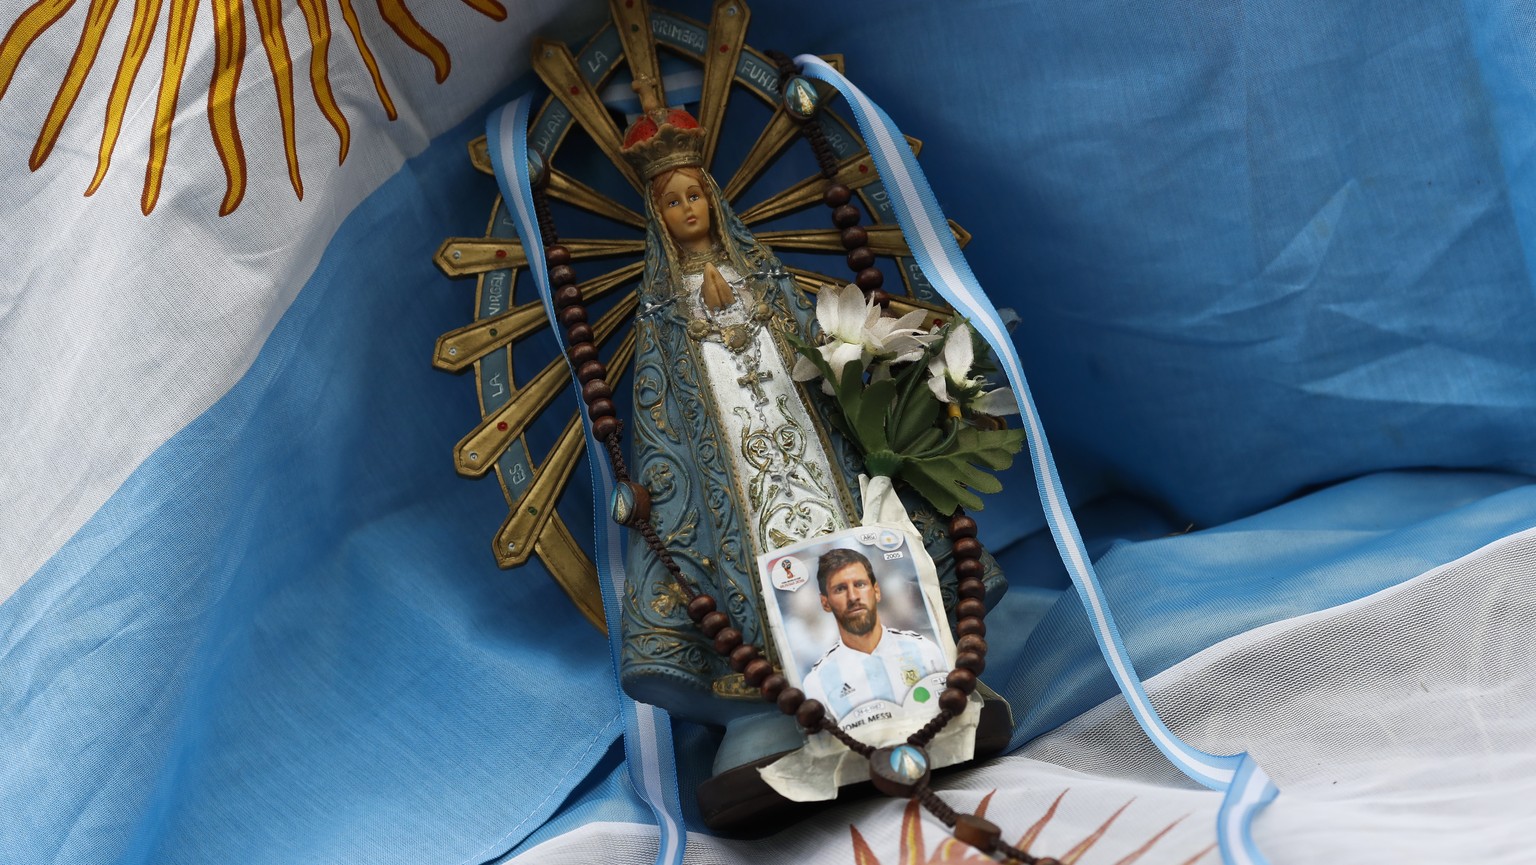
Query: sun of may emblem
x,y
954,852
229,36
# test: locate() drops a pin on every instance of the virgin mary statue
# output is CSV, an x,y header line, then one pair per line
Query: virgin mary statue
x,y
738,458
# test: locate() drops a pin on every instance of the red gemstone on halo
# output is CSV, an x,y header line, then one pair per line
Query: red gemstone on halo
x,y
863,169
724,49
501,426
501,253
575,90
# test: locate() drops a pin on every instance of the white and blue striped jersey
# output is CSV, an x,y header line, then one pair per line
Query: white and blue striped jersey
x,y
857,687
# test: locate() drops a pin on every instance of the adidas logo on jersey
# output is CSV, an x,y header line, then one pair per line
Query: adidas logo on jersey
x,y
847,689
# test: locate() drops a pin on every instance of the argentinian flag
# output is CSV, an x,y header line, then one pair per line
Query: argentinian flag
x,y
1273,268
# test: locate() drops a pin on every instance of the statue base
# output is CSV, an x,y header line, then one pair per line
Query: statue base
x,y
737,799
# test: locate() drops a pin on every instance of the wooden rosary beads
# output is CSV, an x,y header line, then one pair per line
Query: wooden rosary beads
x,y
861,259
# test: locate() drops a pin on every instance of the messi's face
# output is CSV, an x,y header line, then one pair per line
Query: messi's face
x,y
852,598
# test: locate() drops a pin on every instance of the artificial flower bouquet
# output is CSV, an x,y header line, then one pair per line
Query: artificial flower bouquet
x,y
915,401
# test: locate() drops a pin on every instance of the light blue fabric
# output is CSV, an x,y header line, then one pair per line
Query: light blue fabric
x,y
1257,248
285,638
607,795
1176,595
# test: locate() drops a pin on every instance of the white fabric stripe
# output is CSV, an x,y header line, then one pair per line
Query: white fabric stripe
x,y
1424,739
560,843
671,832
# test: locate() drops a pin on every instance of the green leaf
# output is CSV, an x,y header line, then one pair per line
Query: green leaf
x,y
868,420
840,417
925,440
849,385
915,414
939,489
848,392
883,462
914,371
994,449
956,468
916,409
953,478
981,481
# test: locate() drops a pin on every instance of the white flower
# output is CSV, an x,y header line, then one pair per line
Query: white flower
x,y
952,366
843,314
996,402
854,329
950,372
804,370
897,340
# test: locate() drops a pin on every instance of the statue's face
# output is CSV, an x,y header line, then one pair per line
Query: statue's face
x,y
685,210
853,598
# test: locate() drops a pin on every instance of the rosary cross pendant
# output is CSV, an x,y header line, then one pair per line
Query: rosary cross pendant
x,y
753,381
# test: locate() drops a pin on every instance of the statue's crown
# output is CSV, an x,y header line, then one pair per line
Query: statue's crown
x,y
662,140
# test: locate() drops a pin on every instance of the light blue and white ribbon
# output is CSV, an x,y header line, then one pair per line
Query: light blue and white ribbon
x,y
1248,793
647,729
938,254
